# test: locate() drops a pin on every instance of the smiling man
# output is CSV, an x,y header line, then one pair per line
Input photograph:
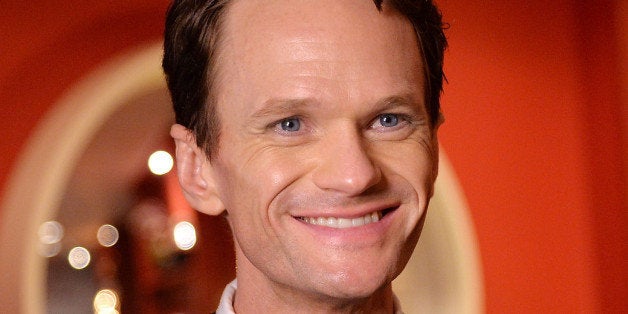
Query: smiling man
x,y
311,126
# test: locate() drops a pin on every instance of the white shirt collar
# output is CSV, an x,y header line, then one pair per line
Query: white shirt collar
x,y
226,301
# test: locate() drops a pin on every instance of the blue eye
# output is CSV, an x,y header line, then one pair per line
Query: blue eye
x,y
291,124
388,120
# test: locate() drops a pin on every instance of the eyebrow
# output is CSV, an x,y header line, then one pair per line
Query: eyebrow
x,y
404,100
279,106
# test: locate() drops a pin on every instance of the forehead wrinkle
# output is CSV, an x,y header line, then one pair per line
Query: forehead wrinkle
x,y
308,48
313,71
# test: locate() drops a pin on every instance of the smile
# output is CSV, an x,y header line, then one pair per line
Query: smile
x,y
342,223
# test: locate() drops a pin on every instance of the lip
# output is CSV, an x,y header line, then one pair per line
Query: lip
x,y
349,212
371,217
356,236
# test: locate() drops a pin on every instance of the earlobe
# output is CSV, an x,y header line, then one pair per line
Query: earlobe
x,y
195,173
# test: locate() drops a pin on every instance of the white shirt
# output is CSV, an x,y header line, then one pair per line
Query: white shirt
x,y
226,300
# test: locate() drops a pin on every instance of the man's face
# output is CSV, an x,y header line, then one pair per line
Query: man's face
x,y
326,158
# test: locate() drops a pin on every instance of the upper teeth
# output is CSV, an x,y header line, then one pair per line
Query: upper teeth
x,y
335,222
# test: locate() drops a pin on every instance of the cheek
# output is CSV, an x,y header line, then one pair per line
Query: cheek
x,y
415,163
251,180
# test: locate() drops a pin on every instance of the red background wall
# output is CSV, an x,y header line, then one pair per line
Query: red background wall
x,y
536,128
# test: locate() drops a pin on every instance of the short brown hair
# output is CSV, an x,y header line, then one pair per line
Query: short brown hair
x,y
192,38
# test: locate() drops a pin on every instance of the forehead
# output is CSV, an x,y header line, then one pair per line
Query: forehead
x,y
342,41
256,18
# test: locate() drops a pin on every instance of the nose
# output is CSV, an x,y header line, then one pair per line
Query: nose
x,y
344,165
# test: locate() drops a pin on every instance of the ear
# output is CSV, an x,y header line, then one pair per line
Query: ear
x,y
195,173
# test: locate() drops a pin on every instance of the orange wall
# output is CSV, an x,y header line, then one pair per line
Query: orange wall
x,y
535,129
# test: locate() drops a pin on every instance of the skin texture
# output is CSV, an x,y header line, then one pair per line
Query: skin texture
x,y
306,96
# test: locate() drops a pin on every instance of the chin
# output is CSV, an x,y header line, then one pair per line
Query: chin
x,y
355,285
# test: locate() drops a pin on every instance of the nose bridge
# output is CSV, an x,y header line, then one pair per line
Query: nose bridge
x,y
344,163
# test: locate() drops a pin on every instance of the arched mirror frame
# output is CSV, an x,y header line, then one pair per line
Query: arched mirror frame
x,y
444,269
